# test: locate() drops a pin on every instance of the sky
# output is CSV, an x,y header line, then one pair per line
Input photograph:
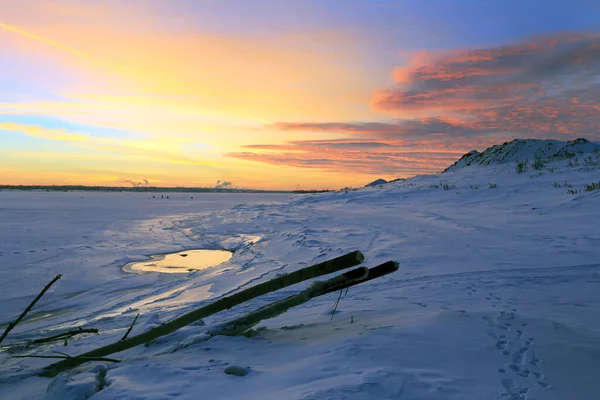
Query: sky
x,y
278,94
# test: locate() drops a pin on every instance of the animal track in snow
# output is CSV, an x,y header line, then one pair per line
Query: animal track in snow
x,y
524,362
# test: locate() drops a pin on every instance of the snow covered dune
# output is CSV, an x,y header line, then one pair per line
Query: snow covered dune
x,y
528,150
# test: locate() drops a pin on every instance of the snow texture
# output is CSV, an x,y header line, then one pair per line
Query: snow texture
x,y
377,182
497,295
526,150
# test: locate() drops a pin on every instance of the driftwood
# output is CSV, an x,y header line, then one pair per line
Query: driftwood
x,y
12,325
324,268
318,288
375,272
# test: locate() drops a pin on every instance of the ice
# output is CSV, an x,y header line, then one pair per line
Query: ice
x,y
497,295
180,262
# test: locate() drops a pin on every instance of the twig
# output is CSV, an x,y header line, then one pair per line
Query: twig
x,y
11,325
130,327
65,335
114,360
324,268
336,304
54,338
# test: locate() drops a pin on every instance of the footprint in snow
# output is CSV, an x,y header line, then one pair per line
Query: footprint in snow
x,y
524,361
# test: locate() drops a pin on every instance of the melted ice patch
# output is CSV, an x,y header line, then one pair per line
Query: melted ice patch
x,y
181,262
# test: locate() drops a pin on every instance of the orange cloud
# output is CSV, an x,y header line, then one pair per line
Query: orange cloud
x,y
390,157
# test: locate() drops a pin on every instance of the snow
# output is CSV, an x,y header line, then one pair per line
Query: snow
x,y
497,295
377,182
180,262
527,150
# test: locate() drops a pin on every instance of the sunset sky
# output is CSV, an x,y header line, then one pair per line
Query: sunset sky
x,y
279,94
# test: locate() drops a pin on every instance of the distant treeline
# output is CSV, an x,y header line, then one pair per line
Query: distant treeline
x,y
69,188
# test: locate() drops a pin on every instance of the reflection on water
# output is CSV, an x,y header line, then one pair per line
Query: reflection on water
x,y
178,263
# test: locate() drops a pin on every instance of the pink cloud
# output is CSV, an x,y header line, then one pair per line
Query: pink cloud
x,y
457,101
546,86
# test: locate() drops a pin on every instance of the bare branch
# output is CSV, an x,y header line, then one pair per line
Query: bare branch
x,y
11,326
84,359
54,338
64,335
130,327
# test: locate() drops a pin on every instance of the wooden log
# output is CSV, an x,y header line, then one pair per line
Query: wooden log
x,y
318,288
344,281
375,272
11,325
324,268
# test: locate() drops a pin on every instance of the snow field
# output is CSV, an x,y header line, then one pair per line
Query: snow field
x,y
497,295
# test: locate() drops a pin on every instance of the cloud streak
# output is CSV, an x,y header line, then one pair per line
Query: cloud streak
x,y
391,158
58,45
158,151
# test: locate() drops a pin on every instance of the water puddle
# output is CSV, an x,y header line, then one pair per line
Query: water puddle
x,y
180,263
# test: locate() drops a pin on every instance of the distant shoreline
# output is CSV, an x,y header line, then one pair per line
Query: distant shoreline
x,y
145,189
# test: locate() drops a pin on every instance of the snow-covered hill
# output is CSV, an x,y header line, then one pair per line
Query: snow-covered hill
x,y
497,295
526,150
377,182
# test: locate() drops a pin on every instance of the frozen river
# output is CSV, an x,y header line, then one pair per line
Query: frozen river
x,y
89,236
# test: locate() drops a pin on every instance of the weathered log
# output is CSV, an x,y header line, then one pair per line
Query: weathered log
x,y
344,281
324,268
11,325
318,288
375,272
